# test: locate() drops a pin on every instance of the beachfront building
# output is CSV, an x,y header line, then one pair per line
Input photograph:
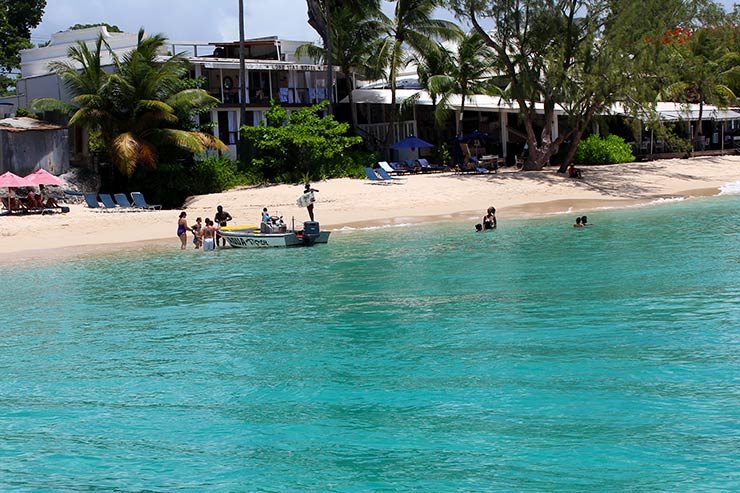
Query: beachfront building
x,y
494,121
497,129
273,72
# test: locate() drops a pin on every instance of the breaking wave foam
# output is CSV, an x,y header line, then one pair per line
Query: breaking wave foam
x,y
730,188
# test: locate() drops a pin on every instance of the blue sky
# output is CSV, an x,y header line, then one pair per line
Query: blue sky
x,y
186,20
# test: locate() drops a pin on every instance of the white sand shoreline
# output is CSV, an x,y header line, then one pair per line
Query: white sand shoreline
x,y
346,205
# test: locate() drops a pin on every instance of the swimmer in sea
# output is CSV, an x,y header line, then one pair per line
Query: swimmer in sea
x,y
578,223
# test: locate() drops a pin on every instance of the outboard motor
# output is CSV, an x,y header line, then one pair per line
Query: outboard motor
x,y
265,228
311,232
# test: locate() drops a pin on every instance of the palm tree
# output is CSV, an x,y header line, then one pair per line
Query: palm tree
x,y
704,71
354,34
136,108
469,73
429,63
412,26
320,17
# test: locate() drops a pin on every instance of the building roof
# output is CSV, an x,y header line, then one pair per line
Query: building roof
x,y
666,111
25,124
473,102
673,112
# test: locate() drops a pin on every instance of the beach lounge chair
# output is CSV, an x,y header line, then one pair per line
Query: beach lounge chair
x,y
411,166
91,199
390,169
428,168
385,176
107,201
473,168
123,201
373,177
140,202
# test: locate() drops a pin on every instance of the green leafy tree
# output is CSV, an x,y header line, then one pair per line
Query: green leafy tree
x,y
140,110
320,18
17,18
298,146
109,28
468,73
354,33
580,55
411,27
705,68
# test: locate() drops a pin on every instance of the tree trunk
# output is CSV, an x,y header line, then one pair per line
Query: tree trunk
x,y
353,110
699,136
574,141
458,123
329,60
539,152
394,110
319,18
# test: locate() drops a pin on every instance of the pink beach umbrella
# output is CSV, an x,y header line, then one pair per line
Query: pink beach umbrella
x,y
43,177
10,180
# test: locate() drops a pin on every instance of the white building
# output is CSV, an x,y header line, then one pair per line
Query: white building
x,y
272,68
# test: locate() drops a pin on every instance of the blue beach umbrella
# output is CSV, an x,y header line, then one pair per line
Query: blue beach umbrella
x,y
411,142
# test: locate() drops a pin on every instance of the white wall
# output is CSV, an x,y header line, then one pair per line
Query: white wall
x,y
35,61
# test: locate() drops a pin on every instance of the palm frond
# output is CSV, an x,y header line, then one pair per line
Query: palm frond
x,y
147,155
51,104
125,150
192,100
211,142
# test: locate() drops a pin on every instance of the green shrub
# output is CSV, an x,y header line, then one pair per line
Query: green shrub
x,y
171,183
215,174
300,146
610,150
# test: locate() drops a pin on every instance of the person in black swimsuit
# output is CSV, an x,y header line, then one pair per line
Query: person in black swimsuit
x,y
221,218
489,220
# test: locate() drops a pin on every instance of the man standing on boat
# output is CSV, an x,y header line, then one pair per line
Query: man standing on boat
x,y
307,199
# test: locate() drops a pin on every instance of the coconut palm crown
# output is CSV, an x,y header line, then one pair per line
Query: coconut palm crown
x,y
139,108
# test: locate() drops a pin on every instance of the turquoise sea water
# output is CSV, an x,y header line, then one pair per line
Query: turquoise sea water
x,y
427,358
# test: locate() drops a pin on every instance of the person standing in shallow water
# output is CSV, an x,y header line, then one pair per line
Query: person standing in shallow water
x,y
489,220
221,218
182,229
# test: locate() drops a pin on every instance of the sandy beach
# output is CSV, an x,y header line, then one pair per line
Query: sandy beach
x,y
345,203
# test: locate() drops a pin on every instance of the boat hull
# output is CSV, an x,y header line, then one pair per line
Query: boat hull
x,y
253,239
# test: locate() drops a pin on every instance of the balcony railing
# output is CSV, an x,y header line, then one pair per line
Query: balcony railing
x,y
284,95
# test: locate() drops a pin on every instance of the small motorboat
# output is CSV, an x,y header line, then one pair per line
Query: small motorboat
x,y
269,235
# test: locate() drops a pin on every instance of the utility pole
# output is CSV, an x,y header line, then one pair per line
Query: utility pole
x,y
242,83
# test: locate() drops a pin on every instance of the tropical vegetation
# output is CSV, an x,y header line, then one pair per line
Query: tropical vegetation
x,y
468,73
612,149
140,111
412,26
705,68
300,146
17,18
354,41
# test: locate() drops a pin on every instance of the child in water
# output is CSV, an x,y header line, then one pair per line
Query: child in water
x,y
197,235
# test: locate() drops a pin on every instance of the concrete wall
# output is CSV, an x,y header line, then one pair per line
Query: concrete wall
x,y
25,152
